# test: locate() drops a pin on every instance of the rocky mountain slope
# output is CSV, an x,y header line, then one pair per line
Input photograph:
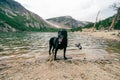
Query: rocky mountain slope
x,y
67,21
14,17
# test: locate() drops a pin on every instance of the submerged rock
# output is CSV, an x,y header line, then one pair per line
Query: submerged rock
x,y
1,48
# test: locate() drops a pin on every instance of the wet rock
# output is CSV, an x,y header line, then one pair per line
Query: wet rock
x,y
118,34
116,59
113,34
3,66
103,61
1,48
108,62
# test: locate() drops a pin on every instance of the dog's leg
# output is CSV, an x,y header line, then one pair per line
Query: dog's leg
x,y
65,54
50,47
53,50
56,49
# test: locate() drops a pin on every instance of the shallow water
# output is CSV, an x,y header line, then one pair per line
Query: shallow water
x,y
22,43
14,41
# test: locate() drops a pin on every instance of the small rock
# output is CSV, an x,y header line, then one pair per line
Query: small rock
x,y
108,62
116,59
1,49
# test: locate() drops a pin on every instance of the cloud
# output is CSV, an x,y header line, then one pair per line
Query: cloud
x,y
85,10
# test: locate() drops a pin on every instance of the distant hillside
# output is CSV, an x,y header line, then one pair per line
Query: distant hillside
x,y
14,17
67,21
105,24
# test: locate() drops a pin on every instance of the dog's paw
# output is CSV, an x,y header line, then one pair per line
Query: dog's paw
x,y
65,58
55,59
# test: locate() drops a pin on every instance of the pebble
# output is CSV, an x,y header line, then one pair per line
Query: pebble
x,y
116,59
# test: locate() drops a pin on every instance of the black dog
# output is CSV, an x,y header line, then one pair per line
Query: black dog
x,y
59,42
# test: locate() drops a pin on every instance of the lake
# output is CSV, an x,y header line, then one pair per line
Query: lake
x,y
23,43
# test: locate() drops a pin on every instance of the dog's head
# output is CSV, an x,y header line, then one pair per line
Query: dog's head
x,y
62,35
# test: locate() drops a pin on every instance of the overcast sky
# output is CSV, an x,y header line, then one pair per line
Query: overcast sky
x,y
84,10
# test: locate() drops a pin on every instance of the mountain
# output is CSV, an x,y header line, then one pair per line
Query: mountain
x,y
14,17
67,21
